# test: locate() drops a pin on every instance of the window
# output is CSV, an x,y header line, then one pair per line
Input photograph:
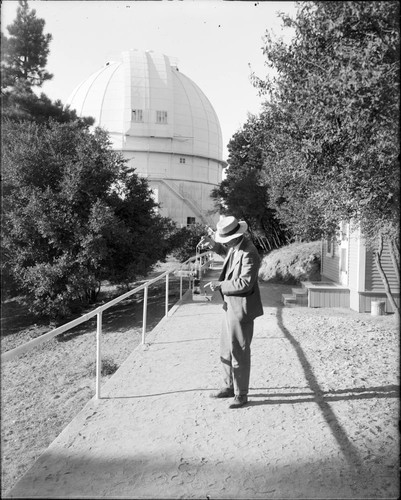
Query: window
x,y
182,160
137,115
190,221
161,116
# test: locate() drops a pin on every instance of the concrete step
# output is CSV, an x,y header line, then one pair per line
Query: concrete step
x,y
288,299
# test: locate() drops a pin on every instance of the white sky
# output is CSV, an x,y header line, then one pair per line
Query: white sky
x,y
213,41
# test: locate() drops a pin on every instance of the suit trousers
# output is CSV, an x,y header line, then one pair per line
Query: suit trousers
x,y
235,353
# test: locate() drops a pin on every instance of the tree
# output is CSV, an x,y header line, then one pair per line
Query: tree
x,y
23,104
335,100
23,61
244,192
25,52
185,241
73,215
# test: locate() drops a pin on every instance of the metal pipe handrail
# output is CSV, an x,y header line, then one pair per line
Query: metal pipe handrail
x,y
189,261
13,353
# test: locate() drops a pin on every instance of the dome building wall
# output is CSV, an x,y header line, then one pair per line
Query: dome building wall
x,y
165,127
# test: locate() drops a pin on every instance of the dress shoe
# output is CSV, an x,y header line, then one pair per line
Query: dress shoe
x,y
239,401
224,393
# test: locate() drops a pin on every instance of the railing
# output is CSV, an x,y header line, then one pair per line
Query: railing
x,y
193,266
98,312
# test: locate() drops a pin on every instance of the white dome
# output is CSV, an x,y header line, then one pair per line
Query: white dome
x,y
164,125
147,83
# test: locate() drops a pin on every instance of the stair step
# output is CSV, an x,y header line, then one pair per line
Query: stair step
x,y
287,298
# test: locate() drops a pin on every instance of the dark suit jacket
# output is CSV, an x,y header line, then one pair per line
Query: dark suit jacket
x,y
239,282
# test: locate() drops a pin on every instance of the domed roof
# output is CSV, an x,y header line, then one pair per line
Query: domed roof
x,y
144,96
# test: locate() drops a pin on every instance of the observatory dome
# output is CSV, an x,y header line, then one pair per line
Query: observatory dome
x,y
163,124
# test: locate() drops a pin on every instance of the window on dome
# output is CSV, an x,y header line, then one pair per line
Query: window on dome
x,y
182,160
137,115
161,116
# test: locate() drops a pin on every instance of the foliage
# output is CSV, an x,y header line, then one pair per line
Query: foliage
x,y
24,53
331,121
332,118
186,240
109,366
244,193
292,263
73,215
21,103
23,61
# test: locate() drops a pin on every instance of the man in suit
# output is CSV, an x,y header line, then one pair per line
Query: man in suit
x,y
238,285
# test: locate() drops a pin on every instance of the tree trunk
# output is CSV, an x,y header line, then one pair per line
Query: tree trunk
x,y
377,257
395,257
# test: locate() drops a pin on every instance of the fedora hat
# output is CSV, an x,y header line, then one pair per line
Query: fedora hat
x,y
229,228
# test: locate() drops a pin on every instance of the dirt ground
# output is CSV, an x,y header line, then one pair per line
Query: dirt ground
x,y
42,390
347,355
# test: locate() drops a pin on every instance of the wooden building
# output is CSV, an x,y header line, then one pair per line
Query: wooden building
x,y
349,265
349,276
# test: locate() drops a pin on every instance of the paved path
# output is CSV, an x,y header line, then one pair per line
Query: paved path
x,y
157,434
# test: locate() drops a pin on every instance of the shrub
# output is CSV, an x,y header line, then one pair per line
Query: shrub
x,y
293,263
108,367
186,240
73,216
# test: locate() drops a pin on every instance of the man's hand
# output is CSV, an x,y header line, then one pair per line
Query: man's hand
x,y
206,241
215,285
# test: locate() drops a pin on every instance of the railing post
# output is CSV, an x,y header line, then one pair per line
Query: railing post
x,y
180,286
167,280
98,354
145,310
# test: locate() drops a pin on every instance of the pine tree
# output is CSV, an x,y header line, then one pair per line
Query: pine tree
x,y
24,53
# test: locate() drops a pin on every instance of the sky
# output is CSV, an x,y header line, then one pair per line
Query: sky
x,y
215,43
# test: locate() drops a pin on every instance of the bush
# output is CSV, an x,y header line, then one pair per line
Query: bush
x,y
73,216
293,263
186,240
108,367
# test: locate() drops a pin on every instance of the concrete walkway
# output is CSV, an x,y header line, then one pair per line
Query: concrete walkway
x,y
157,434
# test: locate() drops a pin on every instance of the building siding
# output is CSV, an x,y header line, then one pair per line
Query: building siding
x,y
374,282
328,298
330,264
353,261
365,301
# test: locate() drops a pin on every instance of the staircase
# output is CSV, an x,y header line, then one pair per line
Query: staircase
x,y
297,297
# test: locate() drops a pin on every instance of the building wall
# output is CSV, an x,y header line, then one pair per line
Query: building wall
x,y
330,263
364,280
177,201
184,183
366,298
353,259
373,280
164,125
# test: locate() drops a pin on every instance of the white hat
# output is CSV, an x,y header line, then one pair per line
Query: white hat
x,y
229,228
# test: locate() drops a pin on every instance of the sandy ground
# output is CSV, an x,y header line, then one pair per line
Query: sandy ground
x,y
322,421
42,391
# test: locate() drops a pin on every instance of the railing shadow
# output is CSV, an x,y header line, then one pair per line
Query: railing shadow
x,y
359,393
288,397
